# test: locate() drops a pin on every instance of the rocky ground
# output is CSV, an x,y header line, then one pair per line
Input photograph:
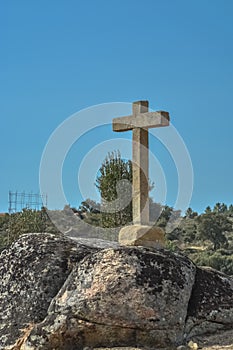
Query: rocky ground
x,y
220,341
223,341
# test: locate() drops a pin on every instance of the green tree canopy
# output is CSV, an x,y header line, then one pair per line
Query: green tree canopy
x,y
213,227
89,206
220,208
208,210
113,170
190,213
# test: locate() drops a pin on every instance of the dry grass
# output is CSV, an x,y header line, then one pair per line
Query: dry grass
x,y
21,341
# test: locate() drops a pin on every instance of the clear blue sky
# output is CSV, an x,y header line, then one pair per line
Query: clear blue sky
x,y
58,57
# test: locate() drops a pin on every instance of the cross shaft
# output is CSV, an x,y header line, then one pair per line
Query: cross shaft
x,y
139,123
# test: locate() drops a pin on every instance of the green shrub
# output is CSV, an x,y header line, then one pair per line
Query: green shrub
x,y
218,260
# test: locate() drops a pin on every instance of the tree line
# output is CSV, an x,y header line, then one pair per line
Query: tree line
x,y
207,238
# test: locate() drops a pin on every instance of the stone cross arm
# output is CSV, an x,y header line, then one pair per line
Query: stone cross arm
x,y
142,120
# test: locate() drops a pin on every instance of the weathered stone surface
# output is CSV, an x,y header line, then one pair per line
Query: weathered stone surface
x,y
140,122
211,303
142,235
32,271
66,295
143,120
95,242
221,340
119,297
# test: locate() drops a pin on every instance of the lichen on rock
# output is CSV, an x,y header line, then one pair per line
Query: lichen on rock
x,y
32,271
122,296
211,303
58,293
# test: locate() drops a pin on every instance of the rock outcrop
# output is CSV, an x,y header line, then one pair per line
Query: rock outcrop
x,y
32,271
123,296
211,304
67,295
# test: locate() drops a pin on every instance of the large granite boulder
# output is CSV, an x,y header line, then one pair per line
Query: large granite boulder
x,y
58,293
117,297
32,271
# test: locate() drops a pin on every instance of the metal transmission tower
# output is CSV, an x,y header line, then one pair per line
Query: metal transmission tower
x,y
22,200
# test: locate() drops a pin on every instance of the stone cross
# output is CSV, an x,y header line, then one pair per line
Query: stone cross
x,y
139,123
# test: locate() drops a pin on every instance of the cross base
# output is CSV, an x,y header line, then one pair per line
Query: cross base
x,y
142,235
